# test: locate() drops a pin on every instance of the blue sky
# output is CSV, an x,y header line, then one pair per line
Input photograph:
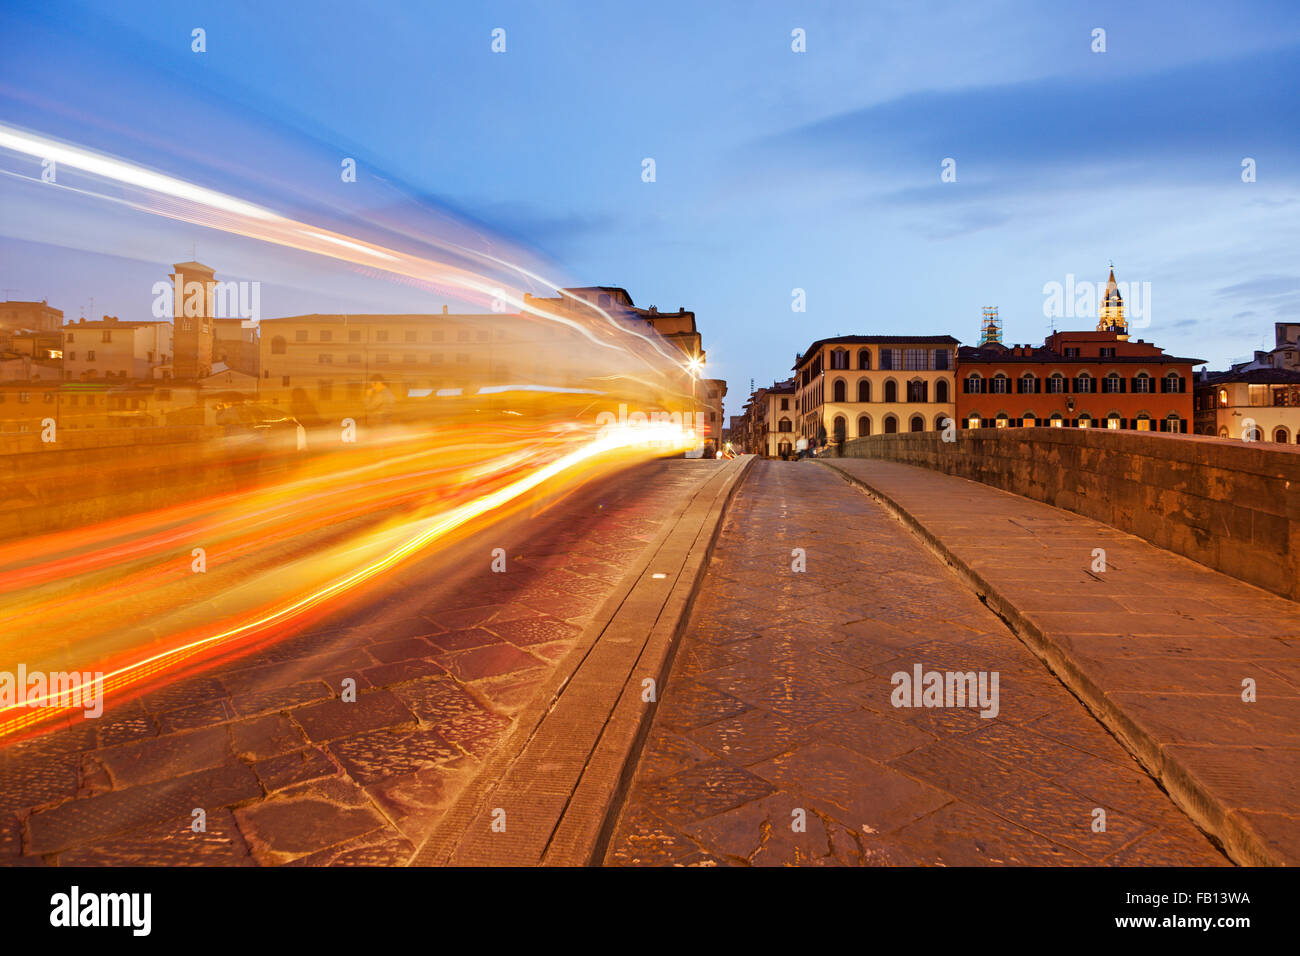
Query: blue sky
x,y
775,170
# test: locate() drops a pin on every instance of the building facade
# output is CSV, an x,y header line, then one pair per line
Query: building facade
x,y
858,385
112,349
1255,404
1075,380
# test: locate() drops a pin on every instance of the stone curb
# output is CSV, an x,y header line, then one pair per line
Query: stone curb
x,y
1206,809
562,773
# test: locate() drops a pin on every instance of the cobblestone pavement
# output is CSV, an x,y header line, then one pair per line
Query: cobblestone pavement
x,y
287,773
778,713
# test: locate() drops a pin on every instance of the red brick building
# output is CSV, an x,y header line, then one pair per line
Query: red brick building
x,y
1075,380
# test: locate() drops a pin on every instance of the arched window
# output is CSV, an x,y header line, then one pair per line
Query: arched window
x,y
1173,423
917,423
917,390
1056,384
839,358
973,420
891,391
1083,383
1057,420
1142,383
864,389
1281,437
1143,423
941,421
1000,384
864,425
864,359
785,425
1085,420
1001,421
891,424
1113,420
1173,382
1029,420
974,384
1112,384
1223,432
278,345
840,428
941,390
838,390
1028,384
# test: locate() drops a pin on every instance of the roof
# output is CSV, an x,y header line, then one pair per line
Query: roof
x,y
1255,376
998,354
875,340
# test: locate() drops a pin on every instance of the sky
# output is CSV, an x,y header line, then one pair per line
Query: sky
x,y
775,170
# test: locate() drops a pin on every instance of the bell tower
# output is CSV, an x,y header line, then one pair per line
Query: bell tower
x,y
1111,313
193,337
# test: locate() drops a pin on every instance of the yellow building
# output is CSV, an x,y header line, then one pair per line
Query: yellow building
x,y
852,386
1260,404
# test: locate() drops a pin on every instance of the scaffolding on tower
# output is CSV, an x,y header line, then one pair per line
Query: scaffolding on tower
x,y
991,328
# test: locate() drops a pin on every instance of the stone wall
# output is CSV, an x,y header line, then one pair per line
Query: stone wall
x,y
1229,505
93,476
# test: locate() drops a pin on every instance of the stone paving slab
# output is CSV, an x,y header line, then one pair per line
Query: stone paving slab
x,y
548,795
1161,649
777,741
445,660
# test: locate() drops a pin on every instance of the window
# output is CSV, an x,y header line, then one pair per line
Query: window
x,y
941,390
483,336
1107,352
785,404
1056,384
1113,421
917,391
1028,420
300,335
917,424
325,358
1112,383
973,384
72,356
1071,353
1083,384
1173,382
1001,421
381,335
785,425
278,345
435,358
1280,436
1085,420
410,358
1142,383
864,359
90,355
69,336
1000,384
916,360
891,425
354,358
462,335
1028,384
438,336
381,358
839,359
864,426
891,358
1057,421
326,335
837,390
24,398
864,390
891,392
354,335
106,336
973,421
1143,422
410,336
942,359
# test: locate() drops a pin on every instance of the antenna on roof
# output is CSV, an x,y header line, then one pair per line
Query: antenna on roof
x,y
991,327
